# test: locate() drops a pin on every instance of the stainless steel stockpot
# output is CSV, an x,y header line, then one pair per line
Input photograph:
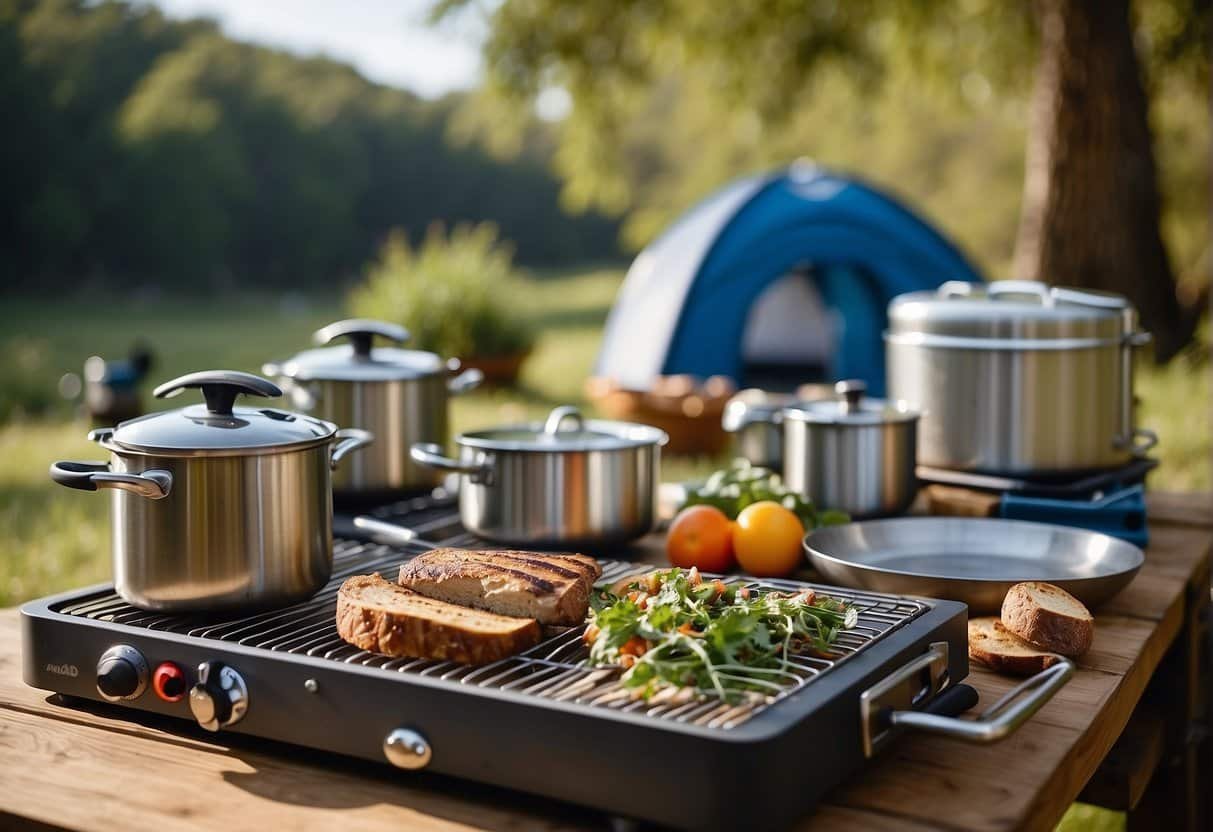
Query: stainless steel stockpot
x,y
1017,377
566,482
216,506
398,395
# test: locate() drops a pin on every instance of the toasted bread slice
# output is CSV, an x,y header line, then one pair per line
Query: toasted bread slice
x,y
1048,617
551,588
383,617
999,649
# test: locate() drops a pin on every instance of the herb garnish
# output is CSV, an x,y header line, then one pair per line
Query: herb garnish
x,y
672,629
741,484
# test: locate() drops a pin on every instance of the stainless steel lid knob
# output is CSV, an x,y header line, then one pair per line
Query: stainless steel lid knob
x,y
405,748
220,698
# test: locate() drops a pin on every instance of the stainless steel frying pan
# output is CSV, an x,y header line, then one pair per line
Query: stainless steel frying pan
x,y
974,560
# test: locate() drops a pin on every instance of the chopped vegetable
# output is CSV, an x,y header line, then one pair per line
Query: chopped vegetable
x,y
671,629
741,484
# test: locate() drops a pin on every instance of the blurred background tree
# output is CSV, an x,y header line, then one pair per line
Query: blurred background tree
x,y
669,98
139,150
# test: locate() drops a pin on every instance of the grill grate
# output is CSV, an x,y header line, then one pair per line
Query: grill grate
x,y
554,669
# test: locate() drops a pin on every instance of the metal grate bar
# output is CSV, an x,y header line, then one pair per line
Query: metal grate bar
x,y
555,669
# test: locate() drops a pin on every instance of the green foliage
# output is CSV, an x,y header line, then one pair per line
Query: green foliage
x,y
142,150
931,99
454,294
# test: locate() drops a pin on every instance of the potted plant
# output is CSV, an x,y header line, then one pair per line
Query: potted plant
x,y
455,294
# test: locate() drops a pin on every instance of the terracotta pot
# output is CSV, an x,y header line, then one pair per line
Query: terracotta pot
x,y
499,370
688,412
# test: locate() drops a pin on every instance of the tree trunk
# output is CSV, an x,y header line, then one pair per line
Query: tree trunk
x,y
1091,207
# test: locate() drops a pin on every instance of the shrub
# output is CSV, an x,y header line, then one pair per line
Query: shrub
x,y
453,293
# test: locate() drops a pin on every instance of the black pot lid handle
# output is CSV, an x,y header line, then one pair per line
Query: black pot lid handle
x,y
220,388
361,331
850,394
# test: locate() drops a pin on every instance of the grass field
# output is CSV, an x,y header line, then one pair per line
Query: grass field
x,y
52,538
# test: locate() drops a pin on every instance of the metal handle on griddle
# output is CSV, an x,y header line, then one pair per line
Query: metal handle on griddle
x,y
895,702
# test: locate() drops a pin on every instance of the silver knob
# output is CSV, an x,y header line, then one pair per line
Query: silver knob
x,y
220,698
405,748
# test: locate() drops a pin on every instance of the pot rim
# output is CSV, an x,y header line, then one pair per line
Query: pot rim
x,y
634,435
972,342
104,438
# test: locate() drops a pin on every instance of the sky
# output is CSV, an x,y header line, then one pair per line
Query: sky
x,y
388,41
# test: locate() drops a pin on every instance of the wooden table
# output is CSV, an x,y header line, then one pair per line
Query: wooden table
x,y
100,767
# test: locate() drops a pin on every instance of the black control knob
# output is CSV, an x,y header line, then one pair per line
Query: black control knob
x,y
220,698
117,678
121,673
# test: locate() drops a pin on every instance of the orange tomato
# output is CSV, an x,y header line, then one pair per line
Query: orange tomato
x,y
767,539
701,536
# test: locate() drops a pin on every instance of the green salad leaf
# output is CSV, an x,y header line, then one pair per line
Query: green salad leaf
x,y
741,484
672,629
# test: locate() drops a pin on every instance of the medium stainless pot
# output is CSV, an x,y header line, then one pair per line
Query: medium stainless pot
x,y
566,482
1017,377
398,395
216,506
852,453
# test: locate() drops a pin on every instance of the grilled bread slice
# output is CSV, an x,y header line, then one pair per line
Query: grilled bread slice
x,y
1049,618
551,588
383,617
992,645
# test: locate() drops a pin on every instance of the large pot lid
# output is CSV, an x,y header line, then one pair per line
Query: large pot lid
x,y
851,407
565,430
1013,311
217,427
357,360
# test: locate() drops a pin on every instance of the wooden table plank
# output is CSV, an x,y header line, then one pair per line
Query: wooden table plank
x,y
97,768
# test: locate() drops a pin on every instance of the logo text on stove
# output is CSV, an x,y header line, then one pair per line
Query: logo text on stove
x,y
63,670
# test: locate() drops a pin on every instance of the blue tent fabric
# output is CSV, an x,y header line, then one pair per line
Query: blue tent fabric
x,y
683,305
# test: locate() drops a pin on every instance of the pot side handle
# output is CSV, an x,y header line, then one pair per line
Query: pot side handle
x,y
348,441
897,701
469,379
431,456
154,484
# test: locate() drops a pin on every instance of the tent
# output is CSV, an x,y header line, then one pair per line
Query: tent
x,y
773,280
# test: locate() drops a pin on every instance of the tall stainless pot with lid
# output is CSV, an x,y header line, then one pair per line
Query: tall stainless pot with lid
x,y
398,395
216,506
1017,377
566,482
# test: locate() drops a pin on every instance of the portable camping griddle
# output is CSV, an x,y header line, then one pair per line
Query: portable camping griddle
x,y
541,721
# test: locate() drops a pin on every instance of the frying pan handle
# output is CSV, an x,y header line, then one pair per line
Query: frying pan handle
x,y
897,702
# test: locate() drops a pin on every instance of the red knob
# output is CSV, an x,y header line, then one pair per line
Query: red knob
x,y
169,682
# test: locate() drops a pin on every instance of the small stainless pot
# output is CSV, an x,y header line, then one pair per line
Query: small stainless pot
x,y
566,482
218,506
400,396
1018,378
853,454
757,436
